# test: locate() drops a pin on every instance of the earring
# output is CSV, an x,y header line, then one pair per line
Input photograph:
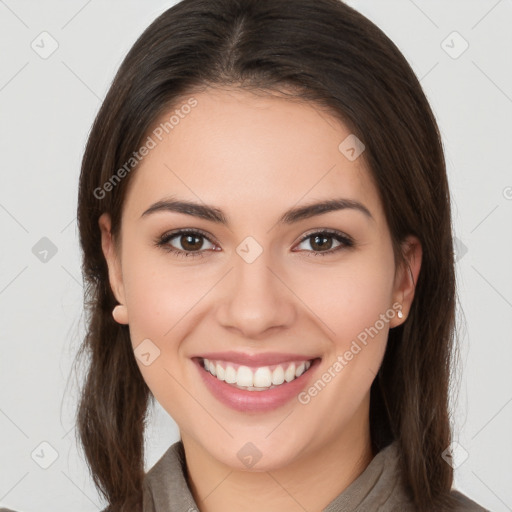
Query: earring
x,y
400,314
119,314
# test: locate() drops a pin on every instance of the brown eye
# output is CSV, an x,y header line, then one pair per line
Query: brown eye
x,y
190,242
185,243
321,242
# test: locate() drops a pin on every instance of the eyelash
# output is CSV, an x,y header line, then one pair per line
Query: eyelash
x,y
163,242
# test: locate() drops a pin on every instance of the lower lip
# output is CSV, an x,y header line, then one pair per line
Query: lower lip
x,y
255,401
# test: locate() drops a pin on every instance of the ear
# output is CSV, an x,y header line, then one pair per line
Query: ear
x,y
114,267
406,278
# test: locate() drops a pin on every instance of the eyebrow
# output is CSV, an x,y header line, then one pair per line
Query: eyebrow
x,y
291,216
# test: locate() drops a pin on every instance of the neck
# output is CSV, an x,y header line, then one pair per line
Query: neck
x,y
308,483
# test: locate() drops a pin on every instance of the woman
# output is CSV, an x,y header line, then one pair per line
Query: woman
x,y
265,221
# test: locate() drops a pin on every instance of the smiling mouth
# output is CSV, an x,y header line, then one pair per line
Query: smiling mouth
x,y
260,378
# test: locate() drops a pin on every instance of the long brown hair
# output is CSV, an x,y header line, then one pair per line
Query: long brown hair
x,y
329,54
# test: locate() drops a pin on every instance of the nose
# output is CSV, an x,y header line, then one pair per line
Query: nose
x,y
256,298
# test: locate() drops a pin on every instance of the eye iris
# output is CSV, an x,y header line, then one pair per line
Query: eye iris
x,y
191,246
322,245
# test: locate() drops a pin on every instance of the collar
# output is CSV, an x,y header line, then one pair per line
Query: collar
x,y
166,488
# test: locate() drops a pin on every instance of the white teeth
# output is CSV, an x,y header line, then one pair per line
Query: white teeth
x,y
244,376
300,370
278,376
221,373
262,377
258,379
230,376
289,374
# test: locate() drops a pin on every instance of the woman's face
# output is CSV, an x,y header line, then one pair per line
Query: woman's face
x,y
259,288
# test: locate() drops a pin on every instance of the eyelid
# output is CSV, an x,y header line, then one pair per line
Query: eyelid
x,y
182,231
329,231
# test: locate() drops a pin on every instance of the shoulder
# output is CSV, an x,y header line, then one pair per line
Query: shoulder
x,y
398,497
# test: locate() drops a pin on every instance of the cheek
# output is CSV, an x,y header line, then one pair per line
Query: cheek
x,y
353,302
157,293
158,299
351,296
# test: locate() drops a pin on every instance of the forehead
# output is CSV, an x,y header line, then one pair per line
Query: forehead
x,y
244,151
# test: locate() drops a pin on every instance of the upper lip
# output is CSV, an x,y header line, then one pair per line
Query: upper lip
x,y
267,359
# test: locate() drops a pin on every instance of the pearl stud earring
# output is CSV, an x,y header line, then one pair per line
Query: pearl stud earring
x,y
119,314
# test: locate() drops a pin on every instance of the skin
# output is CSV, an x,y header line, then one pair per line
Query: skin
x,y
254,157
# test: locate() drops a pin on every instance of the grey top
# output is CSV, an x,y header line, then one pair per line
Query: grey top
x,y
378,488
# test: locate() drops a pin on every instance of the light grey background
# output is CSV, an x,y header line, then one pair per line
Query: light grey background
x,y
47,107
